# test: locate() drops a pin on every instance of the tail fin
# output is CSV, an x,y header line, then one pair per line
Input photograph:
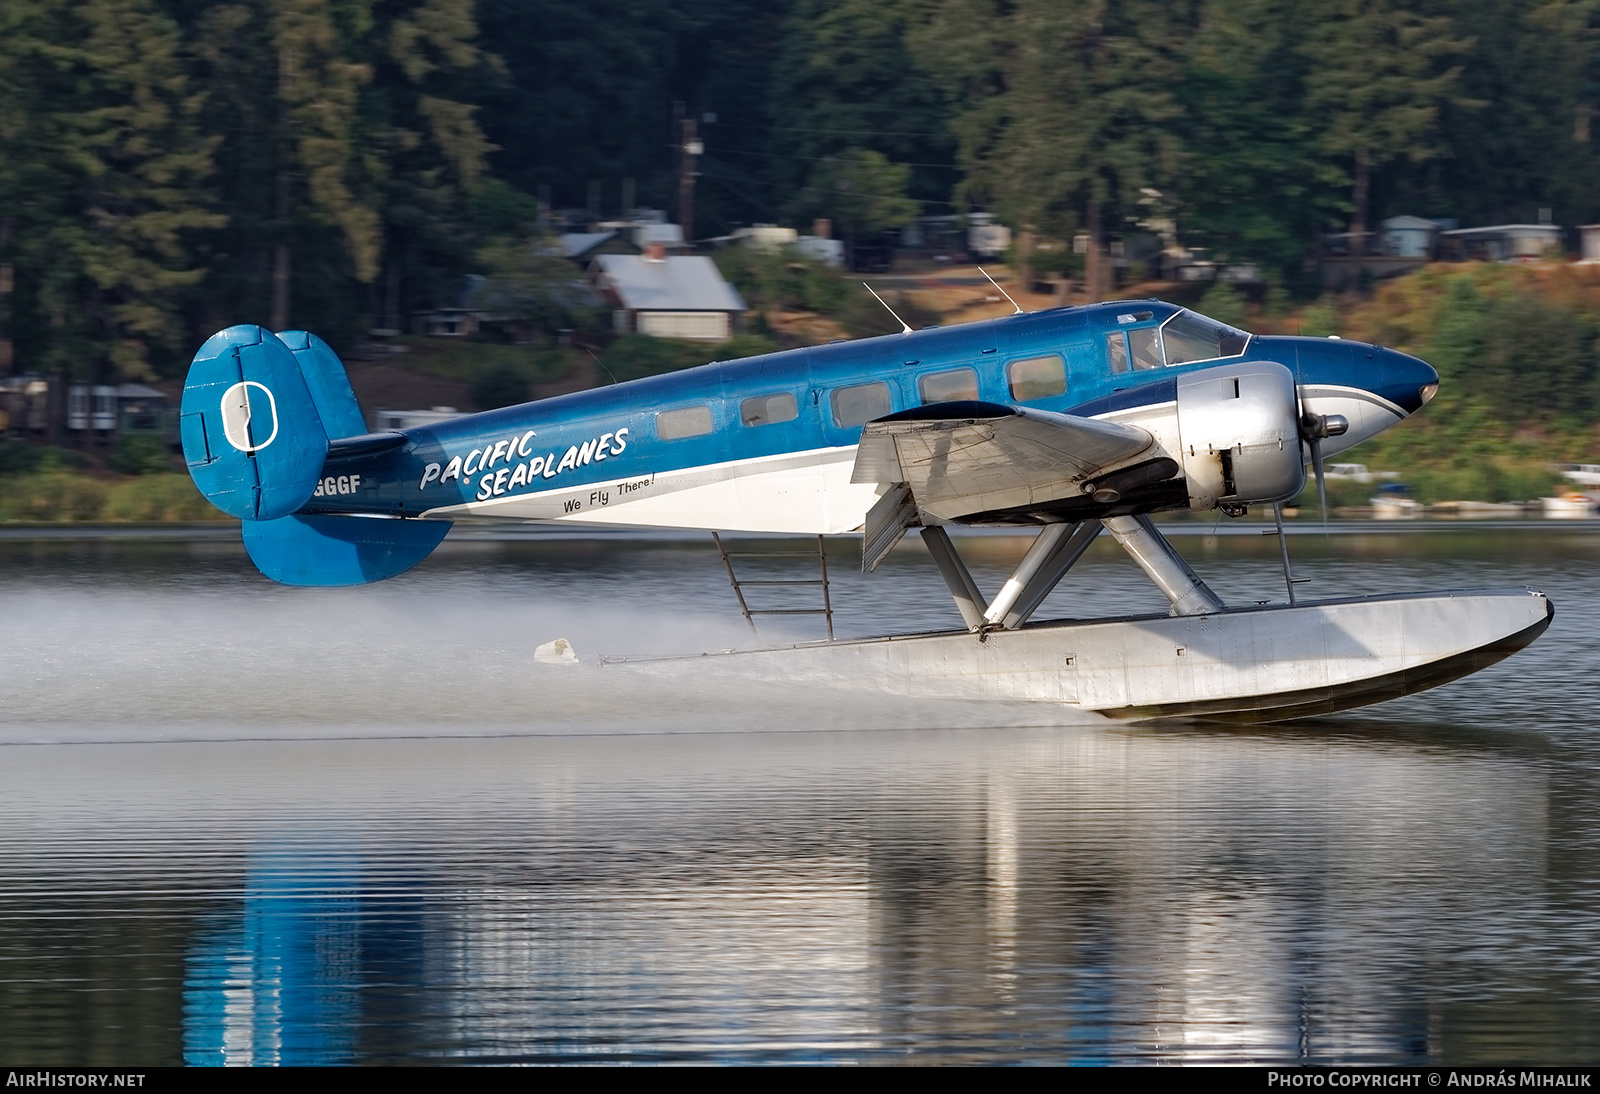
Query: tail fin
x,y
252,436
258,412
328,382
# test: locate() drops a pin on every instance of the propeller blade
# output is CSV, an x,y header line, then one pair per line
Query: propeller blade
x,y
1313,428
1322,482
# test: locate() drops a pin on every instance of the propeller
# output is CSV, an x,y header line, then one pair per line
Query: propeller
x,y
1314,429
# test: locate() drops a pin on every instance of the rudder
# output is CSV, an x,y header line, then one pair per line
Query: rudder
x,y
252,438
328,382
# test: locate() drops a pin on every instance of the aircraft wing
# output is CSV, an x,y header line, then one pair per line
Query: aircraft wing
x,y
956,459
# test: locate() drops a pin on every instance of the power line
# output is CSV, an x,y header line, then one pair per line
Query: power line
x,y
709,162
819,159
836,132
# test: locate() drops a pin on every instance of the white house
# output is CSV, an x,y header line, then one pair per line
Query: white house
x,y
668,296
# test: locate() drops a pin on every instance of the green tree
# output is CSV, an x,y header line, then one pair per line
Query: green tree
x,y
526,279
103,173
1379,72
1255,189
1517,134
860,191
352,149
848,79
1225,304
1081,116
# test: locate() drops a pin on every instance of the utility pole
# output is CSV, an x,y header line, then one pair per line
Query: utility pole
x,y
689,149
6,278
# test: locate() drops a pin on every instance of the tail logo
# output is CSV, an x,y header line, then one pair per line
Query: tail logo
x,y
238,416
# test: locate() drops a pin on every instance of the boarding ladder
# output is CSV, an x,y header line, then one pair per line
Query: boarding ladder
x,y
821,555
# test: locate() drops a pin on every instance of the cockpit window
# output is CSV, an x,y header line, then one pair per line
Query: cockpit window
x,y
1189,336
1146,343
1141,346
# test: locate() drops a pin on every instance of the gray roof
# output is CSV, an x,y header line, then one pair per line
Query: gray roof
x,y
138,391
674,283
575,244
1500,229
1404,222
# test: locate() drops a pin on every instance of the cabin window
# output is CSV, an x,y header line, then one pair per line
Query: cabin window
x,y
689,421
1191,337
860,404
1034,378
956,385
769,409
1117,351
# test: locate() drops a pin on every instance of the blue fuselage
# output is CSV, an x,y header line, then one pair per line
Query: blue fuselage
x,y
804,398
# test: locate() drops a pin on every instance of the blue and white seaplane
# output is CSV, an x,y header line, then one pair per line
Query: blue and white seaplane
x,y
1070,420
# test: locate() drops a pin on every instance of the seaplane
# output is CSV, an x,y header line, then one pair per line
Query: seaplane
x,y
1069,421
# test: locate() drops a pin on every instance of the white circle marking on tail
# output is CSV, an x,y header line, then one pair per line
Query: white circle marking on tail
x,y
236,416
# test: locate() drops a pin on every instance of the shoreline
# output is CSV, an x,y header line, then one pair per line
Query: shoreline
x,y
226,531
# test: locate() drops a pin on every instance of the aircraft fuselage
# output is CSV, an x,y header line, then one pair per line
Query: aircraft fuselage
x,y
768,443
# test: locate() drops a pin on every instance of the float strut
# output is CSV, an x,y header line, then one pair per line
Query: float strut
x,y
968,599
1163,565
1053,553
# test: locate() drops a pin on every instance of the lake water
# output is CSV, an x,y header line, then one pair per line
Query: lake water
x,y
241,823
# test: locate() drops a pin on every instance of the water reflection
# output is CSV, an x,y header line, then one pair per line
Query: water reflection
x,y
494,874
978,895
278,983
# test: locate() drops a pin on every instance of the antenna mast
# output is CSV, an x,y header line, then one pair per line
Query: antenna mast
x,y
904,328
1003,293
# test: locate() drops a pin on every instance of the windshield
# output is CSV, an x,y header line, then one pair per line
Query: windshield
x,y
1190,336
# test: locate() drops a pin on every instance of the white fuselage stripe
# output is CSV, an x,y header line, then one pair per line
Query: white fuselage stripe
x,y
799,493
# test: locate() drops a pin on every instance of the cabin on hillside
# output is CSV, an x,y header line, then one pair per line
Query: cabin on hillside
x,y
668,296
1401,244
1505,243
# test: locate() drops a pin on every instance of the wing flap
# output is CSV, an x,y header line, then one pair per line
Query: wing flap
x,y
960,458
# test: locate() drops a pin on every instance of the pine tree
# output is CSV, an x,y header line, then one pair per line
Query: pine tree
x,y
1083,120
104,179
351,149
1254,189
1379,73
846,77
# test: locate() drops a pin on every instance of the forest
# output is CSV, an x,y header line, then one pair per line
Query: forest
x,y
170,167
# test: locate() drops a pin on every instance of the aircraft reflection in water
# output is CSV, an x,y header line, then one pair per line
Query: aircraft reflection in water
x,y
1037,896
280,983
1070,420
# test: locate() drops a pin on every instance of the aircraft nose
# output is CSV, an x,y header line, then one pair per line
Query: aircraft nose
x,y
1408,382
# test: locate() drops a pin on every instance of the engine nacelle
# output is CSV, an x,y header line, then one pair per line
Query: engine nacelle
x,y
1238,433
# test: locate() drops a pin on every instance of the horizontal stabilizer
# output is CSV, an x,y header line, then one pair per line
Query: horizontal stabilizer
x,y
333,550
968,457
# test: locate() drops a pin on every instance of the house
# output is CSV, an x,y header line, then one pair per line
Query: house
x,y
458,320
1410,237
483,307
1401,244
668,296
123,408
771,239
1589,236
24,404
1505,242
